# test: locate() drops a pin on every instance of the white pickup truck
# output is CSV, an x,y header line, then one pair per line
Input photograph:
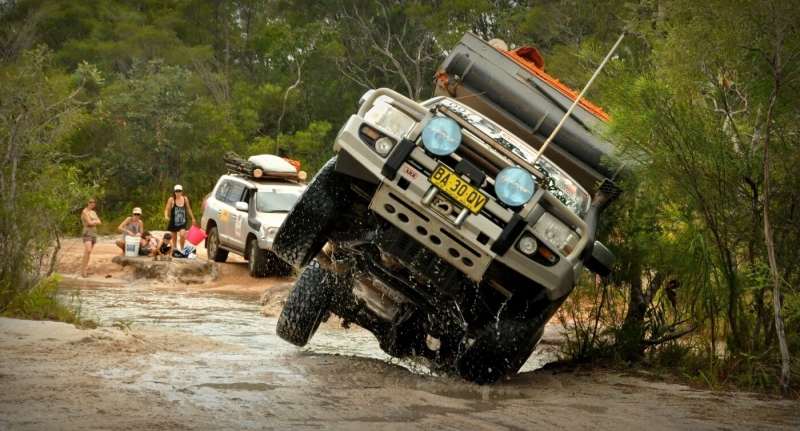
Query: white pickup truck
x,y
436,228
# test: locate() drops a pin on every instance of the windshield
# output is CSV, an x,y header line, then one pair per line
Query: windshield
x,y
274,201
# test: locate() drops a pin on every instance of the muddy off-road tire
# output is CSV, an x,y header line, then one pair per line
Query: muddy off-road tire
x,y
212,246
257,263
405,340
306,305
305,230
501,349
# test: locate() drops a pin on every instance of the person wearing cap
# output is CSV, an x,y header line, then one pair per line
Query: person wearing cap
x,y
177,209
132,226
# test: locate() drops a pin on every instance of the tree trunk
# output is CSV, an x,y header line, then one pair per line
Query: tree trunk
x,y
631,342
773,265
283,111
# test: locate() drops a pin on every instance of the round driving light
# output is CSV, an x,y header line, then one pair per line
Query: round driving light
x,y
384,146
514,186
441,136
528,245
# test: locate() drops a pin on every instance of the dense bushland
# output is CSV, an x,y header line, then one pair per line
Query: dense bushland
x,y
123,98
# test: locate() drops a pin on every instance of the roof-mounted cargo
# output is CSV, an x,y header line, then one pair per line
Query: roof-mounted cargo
x,y
264,166
512,88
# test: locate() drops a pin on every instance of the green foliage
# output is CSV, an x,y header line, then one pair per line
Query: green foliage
x,y
42,302
39,189
123,324
690,123
149,105
587,322
689,91
303,145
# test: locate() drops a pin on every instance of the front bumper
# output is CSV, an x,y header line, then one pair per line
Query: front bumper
x,y
468,247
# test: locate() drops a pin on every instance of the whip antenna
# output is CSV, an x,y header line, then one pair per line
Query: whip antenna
x,y
577,100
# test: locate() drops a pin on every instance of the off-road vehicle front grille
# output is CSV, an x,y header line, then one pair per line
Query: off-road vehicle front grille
x,y
445,277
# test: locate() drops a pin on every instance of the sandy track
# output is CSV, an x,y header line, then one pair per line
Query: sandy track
x,y
233,273
54,376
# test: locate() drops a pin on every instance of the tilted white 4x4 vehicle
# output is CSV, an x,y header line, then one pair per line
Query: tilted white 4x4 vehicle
x,y
436,229
243,214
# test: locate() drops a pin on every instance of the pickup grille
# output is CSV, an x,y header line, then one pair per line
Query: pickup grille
x,y
445,277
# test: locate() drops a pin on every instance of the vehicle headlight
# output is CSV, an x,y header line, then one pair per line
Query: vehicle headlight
x,y
390,118
564,188
383,146
270,232
528,245
556,233
441,136
514,186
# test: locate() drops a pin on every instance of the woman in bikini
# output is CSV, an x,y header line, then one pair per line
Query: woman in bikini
x,y
90,222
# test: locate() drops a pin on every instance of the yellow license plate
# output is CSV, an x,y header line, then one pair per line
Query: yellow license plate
x,y
457,188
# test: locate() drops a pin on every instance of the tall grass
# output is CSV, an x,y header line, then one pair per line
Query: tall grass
x,y
43,302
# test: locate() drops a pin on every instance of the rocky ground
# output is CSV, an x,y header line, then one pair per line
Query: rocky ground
x,y
55,376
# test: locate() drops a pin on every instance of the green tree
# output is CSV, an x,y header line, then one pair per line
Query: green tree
x,y
149,106
39,106
703,121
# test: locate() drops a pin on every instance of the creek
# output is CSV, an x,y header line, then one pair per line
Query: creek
x,y
232,318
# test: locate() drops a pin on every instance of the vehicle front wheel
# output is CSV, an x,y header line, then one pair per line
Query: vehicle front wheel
x,y
306,228
213,250
257,263
407,339
502,348
307,304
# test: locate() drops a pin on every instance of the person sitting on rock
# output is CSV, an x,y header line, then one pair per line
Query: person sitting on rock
x,y
132,226
164,249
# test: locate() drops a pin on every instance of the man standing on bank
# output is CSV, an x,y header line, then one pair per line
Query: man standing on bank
x,y
176,211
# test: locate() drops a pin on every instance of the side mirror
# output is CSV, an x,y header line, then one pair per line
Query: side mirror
x,y
602,261
241,206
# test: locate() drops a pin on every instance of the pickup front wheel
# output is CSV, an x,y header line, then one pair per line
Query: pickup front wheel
x,y
307,304
305,230
501,349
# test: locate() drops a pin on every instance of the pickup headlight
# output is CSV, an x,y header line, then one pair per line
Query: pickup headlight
x,y
390,118
270,232
441,136
556,233
514,186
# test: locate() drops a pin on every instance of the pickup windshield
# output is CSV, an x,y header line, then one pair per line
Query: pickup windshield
x,y
276,201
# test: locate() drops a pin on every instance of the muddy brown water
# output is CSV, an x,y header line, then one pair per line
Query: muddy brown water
x,y
234,318
54,376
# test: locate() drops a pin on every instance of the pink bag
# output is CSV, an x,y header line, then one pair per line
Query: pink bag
x,y
195,235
